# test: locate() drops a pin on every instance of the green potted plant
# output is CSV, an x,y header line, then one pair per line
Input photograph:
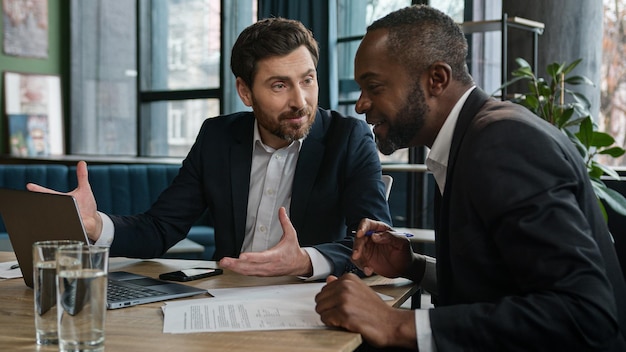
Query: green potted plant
x,y
553,100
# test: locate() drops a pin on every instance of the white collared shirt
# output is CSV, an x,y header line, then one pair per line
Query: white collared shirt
x,y
437,160
271,181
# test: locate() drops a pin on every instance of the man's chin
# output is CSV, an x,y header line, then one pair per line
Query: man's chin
x,y
386,148
296,135
297,132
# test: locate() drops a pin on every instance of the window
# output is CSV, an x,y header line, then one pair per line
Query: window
x,y
146,74
103,77
613,77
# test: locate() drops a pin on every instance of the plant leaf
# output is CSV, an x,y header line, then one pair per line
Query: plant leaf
x,y
580,98
601,139
564,117
521,62
613,199
523,72
615,152
585,132
554,70
575,122
606,170
532,102
576,80
571,66
595,171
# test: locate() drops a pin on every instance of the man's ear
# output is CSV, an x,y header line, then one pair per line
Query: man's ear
x,y
245,93
439,77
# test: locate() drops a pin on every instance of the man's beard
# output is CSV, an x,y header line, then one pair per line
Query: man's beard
x,y
406,124
284,128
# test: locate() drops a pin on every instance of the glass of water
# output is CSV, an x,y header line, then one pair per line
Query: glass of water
x,y
45,289
81,297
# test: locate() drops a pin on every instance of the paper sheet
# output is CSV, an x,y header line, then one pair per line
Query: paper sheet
x,y
213,315
7,273
274,307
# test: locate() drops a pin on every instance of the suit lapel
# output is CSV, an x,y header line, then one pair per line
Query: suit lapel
x,y
307,169
470,109
241,163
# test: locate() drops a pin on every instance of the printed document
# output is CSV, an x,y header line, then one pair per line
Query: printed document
x,y
277,307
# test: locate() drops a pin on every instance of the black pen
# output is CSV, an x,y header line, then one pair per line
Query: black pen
x,y
395,233
14,266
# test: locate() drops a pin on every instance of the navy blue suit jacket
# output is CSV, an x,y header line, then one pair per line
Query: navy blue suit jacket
x,y
337,183
525,261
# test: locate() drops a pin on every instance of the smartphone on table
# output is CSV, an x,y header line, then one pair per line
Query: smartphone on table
x,y
190,274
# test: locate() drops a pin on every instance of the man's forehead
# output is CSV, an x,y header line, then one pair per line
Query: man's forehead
x,y
371,55
298,63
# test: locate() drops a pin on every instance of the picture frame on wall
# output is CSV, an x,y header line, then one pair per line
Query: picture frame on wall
x,y
34,117
25,25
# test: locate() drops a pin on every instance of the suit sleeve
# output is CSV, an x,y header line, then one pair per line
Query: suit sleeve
x,y
362,190
151,234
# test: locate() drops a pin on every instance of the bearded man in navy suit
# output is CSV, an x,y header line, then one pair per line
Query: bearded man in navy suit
x,y
285,184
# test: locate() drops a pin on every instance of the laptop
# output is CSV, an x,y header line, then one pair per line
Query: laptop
x,y
32,216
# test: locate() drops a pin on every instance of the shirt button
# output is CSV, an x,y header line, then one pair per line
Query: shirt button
x,y
270,192
262,228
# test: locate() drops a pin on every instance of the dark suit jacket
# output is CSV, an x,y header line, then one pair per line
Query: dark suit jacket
x,y
525,261
337,183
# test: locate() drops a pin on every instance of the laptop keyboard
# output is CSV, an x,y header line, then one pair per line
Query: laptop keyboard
x,y
117,291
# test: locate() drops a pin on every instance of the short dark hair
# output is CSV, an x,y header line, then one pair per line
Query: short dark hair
x,y
420,35
266,38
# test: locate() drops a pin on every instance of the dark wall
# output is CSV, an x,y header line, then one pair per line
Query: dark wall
x,y
573,30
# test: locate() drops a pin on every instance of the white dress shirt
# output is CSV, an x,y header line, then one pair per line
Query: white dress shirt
x,y
271,181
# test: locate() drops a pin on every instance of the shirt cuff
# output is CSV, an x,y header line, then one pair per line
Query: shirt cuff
x,y
429,281
108,229
425,341
322,267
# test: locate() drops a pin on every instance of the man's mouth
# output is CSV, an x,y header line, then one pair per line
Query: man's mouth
x,y
376,124
296,119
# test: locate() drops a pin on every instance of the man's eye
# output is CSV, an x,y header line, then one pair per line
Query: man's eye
x,y
373,89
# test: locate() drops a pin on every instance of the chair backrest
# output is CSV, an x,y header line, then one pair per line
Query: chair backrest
x,y
388,181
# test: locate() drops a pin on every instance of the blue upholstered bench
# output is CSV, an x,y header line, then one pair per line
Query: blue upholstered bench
x,y
119,189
